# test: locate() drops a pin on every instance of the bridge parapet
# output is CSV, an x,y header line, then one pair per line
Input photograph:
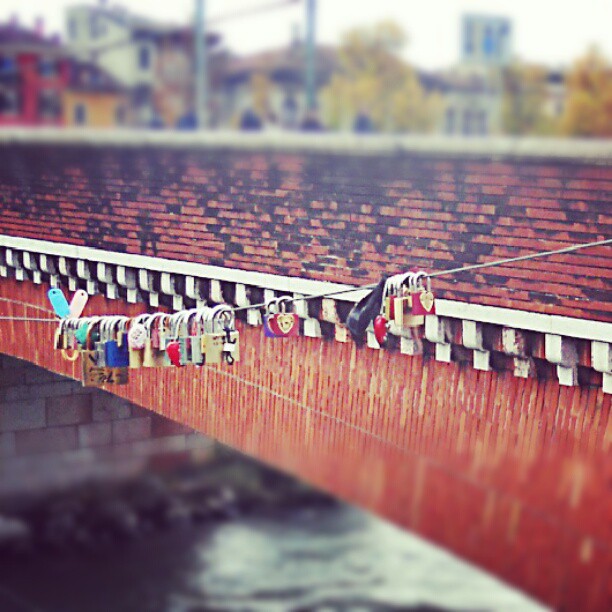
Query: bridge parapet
x,y
494,441
574,351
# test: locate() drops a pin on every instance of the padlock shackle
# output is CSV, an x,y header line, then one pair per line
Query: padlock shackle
x,y
272,306
222,310
173,323
90,327
141,318
418,276
119,323
202,313
153,318
282,301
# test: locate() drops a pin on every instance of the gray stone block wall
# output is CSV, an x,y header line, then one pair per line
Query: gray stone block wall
x,y
56,433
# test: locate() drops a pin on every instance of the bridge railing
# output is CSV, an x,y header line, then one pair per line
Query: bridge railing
x,y
574,351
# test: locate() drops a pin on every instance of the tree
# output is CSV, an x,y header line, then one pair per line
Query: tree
x,y
373,79
524,95
588,110
260,92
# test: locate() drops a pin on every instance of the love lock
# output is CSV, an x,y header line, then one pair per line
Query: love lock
x,y
173,350
278,323
381,327
423,302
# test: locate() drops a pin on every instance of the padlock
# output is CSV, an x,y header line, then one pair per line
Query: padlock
x,y
153,356
58,339
94,374
219,334
278,323
195,324
71,341
163,332
136,338
63,339
381,327
177,344
423,301
184,339
388,308
99,344
271,310
391,294
116,351
212,339
81,333
404,318
403,309
231,347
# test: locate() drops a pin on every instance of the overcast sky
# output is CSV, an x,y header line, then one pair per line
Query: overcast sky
x,y
549,31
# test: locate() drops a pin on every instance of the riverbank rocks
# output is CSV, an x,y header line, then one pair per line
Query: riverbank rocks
x,y
99,515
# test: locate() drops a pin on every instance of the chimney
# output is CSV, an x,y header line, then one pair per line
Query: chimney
x,y
39,26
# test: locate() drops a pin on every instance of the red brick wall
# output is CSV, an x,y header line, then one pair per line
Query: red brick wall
x,y
513,474
337,217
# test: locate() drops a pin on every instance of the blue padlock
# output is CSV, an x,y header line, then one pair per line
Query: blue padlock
x,y
117,355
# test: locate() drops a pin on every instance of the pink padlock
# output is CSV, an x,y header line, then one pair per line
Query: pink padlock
x,y
423,302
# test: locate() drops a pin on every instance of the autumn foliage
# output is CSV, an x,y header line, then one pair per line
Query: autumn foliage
x,y
588,111
373,79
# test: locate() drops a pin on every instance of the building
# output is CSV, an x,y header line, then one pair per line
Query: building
x,y
153,60
486,41
472,102
93,98
473,90
272,83
34,72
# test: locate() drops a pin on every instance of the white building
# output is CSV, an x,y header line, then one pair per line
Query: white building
x,y
137,52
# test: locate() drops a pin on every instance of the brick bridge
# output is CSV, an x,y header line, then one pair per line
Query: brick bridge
x,y
494,442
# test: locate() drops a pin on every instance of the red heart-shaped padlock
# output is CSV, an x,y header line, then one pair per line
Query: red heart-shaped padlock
x,y
173,350
380,329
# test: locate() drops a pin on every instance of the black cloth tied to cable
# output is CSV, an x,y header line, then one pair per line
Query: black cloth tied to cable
x,y
364,312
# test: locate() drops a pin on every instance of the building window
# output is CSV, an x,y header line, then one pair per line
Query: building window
x,y
80,114
488,45
9,102
47,68
450,121
144,58
469,39
49,105
7,65
482,122
120,115
93,26
467,122
289,111
72,28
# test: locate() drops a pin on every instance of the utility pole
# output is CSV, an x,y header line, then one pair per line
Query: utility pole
x,y
201,67
311,99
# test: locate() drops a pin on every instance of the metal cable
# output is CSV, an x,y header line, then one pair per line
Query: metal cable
x,y
499,262
491,264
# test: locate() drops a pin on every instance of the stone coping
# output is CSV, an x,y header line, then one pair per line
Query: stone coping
x,y
580,150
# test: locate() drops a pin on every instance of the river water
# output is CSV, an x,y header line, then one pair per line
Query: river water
x,y
322,559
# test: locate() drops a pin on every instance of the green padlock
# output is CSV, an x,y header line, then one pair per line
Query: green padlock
x,y
81,334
